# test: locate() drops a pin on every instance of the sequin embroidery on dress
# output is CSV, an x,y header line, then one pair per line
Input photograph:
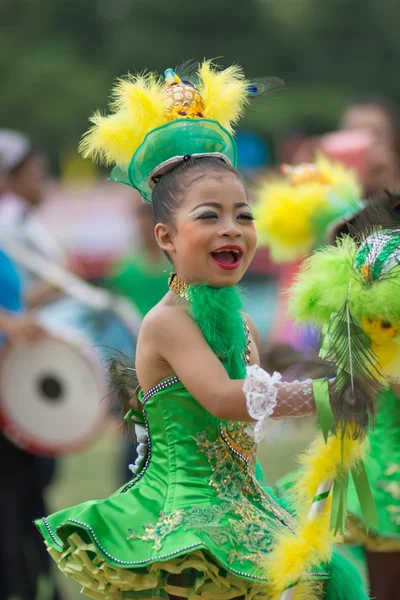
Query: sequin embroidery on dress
x,y
246,516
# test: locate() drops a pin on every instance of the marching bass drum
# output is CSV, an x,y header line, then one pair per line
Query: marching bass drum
x,y
53,391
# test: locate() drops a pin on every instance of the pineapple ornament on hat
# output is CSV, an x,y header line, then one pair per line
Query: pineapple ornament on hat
x,y
156,123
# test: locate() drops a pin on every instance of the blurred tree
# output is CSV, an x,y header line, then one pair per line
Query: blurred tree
x,y
58,58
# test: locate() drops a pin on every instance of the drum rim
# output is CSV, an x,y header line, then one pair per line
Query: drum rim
x,y
23,440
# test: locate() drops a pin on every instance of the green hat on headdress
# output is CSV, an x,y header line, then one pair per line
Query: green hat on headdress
x,y
166,146
156,122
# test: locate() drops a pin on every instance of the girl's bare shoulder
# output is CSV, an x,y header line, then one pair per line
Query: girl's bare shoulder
x,y
166,314
164,329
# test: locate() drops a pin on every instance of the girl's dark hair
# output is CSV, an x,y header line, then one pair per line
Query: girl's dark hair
x,y
170,189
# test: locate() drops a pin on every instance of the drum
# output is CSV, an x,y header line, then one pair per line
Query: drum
x,y
53,392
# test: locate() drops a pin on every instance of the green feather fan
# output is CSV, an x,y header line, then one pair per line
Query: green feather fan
x,y
218,313
338,289
322,286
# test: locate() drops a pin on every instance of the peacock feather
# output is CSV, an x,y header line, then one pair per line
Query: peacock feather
x,y
358,377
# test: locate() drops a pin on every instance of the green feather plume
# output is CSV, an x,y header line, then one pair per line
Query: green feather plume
x,y
322,286
345,582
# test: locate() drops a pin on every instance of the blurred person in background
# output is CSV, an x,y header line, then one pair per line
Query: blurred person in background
x,y
24,563
377,551
25,176
142,278
376,159
24,566
380,117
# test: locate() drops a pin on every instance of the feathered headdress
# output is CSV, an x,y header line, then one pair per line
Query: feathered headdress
x,y
293,212
155,122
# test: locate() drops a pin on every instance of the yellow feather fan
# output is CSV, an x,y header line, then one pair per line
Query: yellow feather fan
x,y
293,213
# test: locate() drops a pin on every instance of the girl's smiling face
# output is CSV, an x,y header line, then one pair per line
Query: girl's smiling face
x,y
213,238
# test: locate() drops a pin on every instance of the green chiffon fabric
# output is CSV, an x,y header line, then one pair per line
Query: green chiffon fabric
x,y
383,468
195,508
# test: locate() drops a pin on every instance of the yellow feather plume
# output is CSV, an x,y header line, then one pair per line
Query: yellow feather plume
x,y
296,553
284,217
322,461
224,93
144,91
139,105
109,141
291,219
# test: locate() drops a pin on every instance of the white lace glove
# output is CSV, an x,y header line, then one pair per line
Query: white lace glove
x,y
141,449
268,397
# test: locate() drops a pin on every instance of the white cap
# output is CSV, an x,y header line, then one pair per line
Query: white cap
x,y
14,148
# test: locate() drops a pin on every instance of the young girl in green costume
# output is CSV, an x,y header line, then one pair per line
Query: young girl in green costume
x,y
193,522
381,543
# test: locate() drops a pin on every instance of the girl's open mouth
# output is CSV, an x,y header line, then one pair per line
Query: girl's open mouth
x,y
228,257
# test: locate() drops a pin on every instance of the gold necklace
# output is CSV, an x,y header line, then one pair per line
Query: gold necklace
x,y
177,286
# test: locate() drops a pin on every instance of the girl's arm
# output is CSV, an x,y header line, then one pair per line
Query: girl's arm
x,y
180,343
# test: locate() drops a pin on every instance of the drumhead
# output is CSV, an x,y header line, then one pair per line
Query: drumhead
x,y
51,394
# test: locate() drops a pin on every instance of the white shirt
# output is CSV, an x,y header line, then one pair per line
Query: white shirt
x,y
20,221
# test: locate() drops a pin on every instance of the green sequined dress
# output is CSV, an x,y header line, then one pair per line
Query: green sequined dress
x,y
195,508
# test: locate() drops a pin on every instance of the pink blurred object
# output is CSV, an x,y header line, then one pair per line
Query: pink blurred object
x,y
94,224
262,264
284,330
350,148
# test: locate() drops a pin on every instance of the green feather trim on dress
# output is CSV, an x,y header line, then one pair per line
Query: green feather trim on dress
x,y
218,313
